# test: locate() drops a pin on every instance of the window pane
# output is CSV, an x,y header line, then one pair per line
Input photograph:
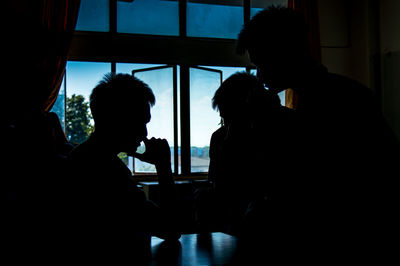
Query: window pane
x,y
158,17
81,78
128,67
93,15
203,119
227,71
59,105
129,160
282,97
258,5
161,124
224,19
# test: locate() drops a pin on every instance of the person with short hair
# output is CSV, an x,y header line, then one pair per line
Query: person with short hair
x,y
110,214
345,156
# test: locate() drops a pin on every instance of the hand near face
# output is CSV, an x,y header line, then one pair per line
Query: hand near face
x,y
157,152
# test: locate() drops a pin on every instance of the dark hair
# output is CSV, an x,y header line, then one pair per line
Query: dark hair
x,y
240,89
282,25
116,90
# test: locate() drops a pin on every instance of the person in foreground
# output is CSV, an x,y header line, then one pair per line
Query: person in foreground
x,y
110,215
340,205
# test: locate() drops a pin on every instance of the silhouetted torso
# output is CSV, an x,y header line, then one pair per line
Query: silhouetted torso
x,y
338,202
109,212
346,159
247,166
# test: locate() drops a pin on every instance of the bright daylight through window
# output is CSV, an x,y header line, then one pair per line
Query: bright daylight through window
x,y
211,22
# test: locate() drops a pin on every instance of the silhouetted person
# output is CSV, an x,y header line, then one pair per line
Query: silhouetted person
x,y
110,214
245,152
342,197
33,166
60,146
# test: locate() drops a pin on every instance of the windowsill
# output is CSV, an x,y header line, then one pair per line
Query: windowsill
x,y
153,177
185,186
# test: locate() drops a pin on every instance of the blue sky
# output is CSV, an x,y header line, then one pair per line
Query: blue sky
x,y
82,77
162,18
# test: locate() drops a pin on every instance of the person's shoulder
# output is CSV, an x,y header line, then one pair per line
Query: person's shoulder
x,y
286,110
346,90
78,151
83,156
219,133
350,85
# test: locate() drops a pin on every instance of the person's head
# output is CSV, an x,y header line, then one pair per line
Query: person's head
x,y
239,97
120,106
277,43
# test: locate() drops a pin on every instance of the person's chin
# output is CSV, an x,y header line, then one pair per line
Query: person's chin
x,y
132,149
276,86
276,89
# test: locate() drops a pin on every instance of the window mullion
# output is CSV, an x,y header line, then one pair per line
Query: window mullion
x,y
185,119
246,10
175,114
182,18
65,100
113,16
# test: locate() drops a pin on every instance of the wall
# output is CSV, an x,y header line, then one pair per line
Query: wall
x,y
390,56
344,38
361,39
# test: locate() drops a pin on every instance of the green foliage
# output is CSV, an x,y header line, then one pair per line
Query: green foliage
x,y
78,119
124,157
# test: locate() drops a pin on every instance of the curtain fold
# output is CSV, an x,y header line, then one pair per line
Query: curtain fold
x,y
309,8
58,24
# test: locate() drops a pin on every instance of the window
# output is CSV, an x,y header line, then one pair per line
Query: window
x,y
258,5
93,16
80,79
214,19
59,105
148,17
182,49
204,81
161,80
203,119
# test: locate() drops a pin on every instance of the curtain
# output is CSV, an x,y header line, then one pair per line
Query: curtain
x,y
58,23
35,42
309,8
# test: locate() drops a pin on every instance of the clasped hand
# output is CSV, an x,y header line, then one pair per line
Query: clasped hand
x,y
157,152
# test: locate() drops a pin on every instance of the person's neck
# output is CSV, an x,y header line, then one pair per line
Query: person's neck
x,y
306,74
103,143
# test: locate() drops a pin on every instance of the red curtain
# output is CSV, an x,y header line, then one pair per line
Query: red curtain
x,y
309,8
36,40
58,23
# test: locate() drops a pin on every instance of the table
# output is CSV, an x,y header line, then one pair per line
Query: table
x,y
195,249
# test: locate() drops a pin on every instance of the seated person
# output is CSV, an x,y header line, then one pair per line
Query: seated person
x,y
109,214
60,146
244,152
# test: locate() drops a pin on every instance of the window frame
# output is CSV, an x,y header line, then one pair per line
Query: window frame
x,y
187,52
175,112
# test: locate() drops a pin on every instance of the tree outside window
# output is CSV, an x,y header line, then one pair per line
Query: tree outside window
x,y
78,119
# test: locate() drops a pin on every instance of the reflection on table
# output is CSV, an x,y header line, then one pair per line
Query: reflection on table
x,y
195,249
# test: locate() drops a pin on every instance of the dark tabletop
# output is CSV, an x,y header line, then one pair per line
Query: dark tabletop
x,y
195,249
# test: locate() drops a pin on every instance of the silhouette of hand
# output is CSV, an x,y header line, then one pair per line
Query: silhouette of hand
x,y
157,152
